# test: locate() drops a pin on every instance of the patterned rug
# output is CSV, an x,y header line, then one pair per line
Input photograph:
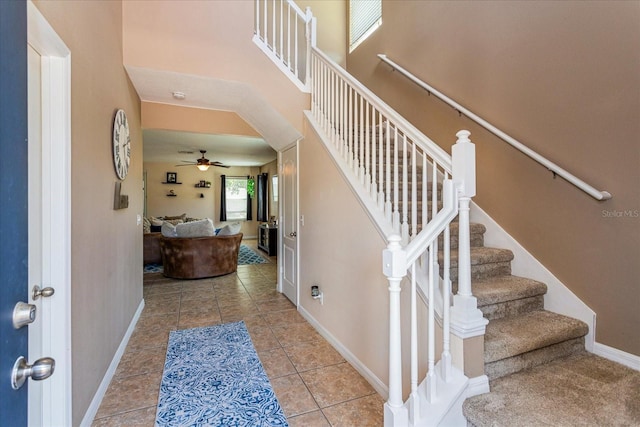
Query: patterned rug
x,y
213,377
246,256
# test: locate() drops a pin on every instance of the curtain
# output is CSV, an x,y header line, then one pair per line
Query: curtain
x,y
262,196
223,197
249,213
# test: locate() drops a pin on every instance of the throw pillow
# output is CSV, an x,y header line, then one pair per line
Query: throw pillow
x,y
182,217
202,228
230,229
155,221
168,229
173,221
146,225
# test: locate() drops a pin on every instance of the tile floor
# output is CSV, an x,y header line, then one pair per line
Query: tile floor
x,y
313,383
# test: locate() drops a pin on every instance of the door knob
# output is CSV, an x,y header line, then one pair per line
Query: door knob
x,y
293,234
44,293
41,370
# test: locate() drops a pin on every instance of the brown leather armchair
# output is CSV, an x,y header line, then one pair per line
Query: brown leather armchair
x,y
200,257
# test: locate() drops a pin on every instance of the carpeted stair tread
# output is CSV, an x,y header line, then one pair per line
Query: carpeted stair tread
x,y
500,289
579,390
484,255
512,336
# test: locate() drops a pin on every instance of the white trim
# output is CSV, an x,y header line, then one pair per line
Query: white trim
x,y
56,169
375,382
478,385
92,410
627,359
558,299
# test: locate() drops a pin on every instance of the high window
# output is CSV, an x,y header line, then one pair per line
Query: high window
x,y
365,16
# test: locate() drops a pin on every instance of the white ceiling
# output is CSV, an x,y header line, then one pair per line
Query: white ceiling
x,y
232,150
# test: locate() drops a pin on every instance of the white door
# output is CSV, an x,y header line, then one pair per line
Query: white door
x,y
289,223
49,96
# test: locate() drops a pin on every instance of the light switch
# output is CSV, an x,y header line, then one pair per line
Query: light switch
x,y
138,219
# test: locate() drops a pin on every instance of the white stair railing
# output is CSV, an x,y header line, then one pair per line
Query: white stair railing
x,y
286,34
412,190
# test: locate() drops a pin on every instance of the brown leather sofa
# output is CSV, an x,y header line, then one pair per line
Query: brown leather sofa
x,y
199,257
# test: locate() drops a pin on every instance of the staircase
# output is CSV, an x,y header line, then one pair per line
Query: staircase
x,y
418,197
520,333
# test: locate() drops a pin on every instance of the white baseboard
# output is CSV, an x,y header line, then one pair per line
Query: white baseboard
x,y
371,378
559,299
108,376
624,358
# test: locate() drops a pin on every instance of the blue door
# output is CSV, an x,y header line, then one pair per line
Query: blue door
x,y
13,202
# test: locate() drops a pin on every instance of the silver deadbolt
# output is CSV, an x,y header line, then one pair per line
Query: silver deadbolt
x,y
23,314
293,234
41,370
44,293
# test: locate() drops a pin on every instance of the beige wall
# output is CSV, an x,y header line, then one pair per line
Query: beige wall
x,y
355,309
332,28
188,198
562,77
173,117
106,245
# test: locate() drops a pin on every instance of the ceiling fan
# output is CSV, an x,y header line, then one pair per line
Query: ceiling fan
x,y
203,164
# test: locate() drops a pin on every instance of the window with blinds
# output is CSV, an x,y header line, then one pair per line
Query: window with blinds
x,y
365,16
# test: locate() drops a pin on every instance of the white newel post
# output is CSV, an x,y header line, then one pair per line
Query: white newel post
x,y
394,262
466,319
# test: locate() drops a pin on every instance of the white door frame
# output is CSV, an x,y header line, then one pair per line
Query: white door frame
x,y
56,215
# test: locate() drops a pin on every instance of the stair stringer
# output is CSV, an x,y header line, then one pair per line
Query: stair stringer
x,y
559,298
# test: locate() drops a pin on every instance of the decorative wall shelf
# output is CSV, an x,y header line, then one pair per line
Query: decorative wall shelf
x,y
172,183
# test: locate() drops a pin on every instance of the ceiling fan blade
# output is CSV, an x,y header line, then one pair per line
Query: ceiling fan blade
x,y
187,164
220,165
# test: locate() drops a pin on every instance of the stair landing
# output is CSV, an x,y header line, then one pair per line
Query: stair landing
x,y
579,390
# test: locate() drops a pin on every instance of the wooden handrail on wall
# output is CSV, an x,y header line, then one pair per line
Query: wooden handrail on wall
x,y
554,168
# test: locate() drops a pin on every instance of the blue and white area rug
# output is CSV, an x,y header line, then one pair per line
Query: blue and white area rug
x,y
213,377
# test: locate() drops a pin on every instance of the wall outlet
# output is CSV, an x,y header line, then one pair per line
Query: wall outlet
x,y
317,294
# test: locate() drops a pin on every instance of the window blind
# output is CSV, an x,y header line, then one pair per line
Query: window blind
x,y
365,16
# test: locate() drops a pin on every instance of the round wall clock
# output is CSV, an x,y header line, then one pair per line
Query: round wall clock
x,y
121,144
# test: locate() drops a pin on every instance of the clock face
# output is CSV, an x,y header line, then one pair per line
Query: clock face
x,y
121,144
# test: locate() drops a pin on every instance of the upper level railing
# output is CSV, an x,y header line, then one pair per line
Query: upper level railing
x,y
557,170
285,33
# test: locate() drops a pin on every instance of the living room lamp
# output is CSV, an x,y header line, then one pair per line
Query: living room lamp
x,y
203,167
